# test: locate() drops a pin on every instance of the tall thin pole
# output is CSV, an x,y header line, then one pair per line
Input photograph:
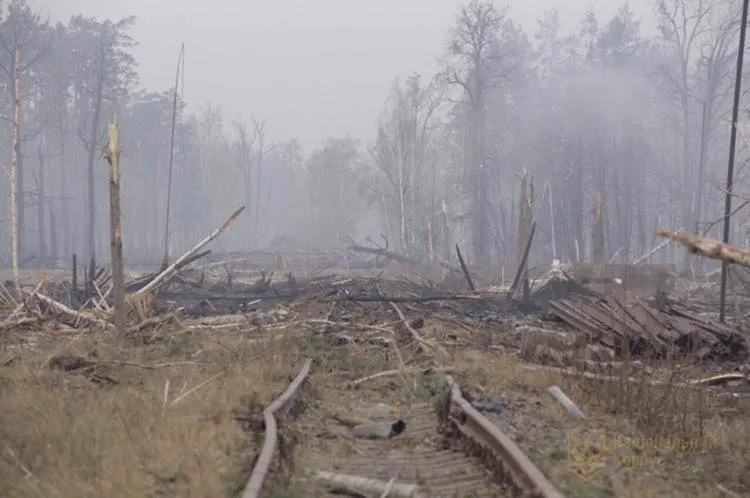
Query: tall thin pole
x,y
730,165
171,156
14,193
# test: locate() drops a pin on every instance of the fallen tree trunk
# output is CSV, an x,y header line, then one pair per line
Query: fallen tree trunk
x,y
141,282
383,252
709,248
172,269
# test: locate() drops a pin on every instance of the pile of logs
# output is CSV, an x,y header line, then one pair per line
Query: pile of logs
x,y
626,324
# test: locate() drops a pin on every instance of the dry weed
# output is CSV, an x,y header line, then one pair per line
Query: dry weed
x,y
638,438
172,425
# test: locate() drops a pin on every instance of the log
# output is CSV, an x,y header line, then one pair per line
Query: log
x,y
383,252
78,315
365,486
710,248
167,274
565,401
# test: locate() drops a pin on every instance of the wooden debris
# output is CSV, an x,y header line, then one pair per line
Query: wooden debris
x,y
384,253
366,487
92,370
718,380
565,401
86,317
625,323
425,345
387,373
168,273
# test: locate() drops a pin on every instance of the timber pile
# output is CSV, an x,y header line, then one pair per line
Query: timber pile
x,y
626,324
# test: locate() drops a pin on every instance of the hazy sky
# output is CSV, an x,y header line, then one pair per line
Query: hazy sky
x,y
311,68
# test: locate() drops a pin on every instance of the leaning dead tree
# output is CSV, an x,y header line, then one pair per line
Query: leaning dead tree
x,y
171,270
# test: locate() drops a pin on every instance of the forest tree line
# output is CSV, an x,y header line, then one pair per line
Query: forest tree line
x,y
639,122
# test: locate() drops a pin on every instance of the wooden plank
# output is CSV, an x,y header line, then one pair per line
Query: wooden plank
x,y
648,319
570,314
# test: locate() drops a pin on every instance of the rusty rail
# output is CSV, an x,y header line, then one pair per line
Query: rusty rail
x,y
475,426
278,407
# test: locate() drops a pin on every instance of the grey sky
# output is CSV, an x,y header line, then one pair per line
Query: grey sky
x,y
311,68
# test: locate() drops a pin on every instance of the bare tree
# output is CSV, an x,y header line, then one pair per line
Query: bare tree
x,y
243,159
472,65
108,70
260,138
24,40
683,25
714,76
401,155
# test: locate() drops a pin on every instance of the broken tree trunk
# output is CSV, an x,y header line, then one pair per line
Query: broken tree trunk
x,y
525,217
709,248
172,269
522,266
597,231
118,279
461,261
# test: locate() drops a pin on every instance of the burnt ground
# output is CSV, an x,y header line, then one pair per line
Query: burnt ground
x,y
171,407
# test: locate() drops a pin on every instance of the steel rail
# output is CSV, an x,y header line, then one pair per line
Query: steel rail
x,y
277,407
475,426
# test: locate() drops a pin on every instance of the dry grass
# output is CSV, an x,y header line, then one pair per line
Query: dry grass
x,y
638,439
62,435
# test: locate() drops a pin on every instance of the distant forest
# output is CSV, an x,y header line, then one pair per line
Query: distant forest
x,y
604,121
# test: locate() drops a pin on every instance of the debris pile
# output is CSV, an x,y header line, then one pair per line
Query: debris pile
x,y
630,327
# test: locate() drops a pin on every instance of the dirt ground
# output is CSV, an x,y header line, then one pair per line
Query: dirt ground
x,y
173,411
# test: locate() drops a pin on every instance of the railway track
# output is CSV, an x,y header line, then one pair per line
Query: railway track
x,y
447,449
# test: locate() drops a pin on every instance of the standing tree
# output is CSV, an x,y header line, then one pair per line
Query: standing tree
x,y
52,115
106,72
472,64
714,71
401,155
683,24
260,138
243,150
24,43
335,191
